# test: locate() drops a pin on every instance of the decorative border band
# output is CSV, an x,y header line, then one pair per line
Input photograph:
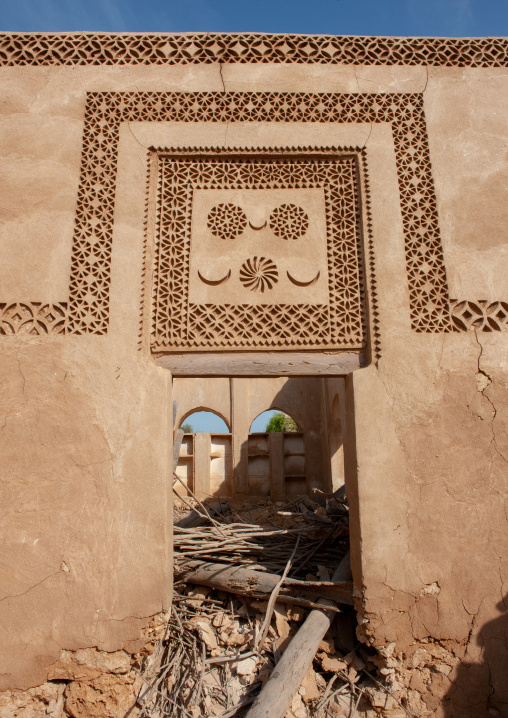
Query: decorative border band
x,y
88,303
91,257
168,49
34,318
180,325
481,315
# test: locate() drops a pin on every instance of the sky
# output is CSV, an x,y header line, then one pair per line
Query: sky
x,y
208,422
451,18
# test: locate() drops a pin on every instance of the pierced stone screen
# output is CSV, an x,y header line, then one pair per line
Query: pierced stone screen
x,y
258,252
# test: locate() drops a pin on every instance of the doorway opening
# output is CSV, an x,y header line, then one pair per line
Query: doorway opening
x,y
277,437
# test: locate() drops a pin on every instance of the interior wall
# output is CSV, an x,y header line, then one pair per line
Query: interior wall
x,y
240,400
210,394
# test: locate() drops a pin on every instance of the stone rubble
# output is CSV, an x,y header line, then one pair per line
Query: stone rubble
x,y
222,669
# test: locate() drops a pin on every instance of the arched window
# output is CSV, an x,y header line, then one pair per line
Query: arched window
x,y
205,461
272,421
204,421
276,456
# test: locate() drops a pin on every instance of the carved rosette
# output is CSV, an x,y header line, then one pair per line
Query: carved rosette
x,y
258,274
227,221
289,221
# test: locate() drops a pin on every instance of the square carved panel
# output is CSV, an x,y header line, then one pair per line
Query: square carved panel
x,y
258,250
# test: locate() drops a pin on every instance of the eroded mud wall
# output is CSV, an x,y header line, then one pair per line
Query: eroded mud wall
x,y
85,410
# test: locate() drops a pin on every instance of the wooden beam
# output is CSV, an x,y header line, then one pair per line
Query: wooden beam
x,y
287,676
262,363
260,584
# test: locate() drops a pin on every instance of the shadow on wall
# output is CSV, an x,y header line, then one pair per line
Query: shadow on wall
x,y
303,463
481,689
304,457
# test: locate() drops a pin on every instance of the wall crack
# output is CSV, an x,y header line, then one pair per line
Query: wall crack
x,y
483,384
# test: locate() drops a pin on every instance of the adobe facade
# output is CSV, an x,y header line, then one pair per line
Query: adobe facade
x,y
181,208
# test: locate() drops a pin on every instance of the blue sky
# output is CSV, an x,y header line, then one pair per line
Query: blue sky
x,y
453,18
208,422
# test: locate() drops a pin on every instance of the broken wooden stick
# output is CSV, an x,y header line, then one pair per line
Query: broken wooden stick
x,y
260,584
287,676
271,602
193,518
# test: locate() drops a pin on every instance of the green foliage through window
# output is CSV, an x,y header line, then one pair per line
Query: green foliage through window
x,y
187,428
281,422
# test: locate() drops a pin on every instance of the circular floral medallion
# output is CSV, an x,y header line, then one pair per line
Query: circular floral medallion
x,y
289,221
258,274
227,221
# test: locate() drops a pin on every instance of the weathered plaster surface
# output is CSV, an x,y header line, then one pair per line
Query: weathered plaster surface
x,y
438,503
84,420
466,111
82,474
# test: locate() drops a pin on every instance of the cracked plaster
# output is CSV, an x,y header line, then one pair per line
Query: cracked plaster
x,y
84,420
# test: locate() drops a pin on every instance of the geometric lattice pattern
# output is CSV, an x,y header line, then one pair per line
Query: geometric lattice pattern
x,y
88,303
33,318
181,325
289,221
89,291
481,315
87,49
227,221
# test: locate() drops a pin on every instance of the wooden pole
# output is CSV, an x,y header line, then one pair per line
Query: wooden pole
x,y
287,676
260,584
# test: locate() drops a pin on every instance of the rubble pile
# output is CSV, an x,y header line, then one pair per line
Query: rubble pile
x,y
220,644
223,640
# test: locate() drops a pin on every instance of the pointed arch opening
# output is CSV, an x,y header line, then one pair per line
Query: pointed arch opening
x,y
204,421
205,461
273,420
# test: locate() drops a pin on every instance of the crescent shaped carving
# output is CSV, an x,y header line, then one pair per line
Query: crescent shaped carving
x,y
256,228
303,284
214,282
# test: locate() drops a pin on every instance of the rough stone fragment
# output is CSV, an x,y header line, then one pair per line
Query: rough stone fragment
x,y
108,696
88,663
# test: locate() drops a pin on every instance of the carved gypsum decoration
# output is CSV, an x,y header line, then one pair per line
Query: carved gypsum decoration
x,y
289,221
227,221
180,325
88,310
158,49
280,326
89,290
34,318
372,298
480,315
299,283
214,282
258,274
